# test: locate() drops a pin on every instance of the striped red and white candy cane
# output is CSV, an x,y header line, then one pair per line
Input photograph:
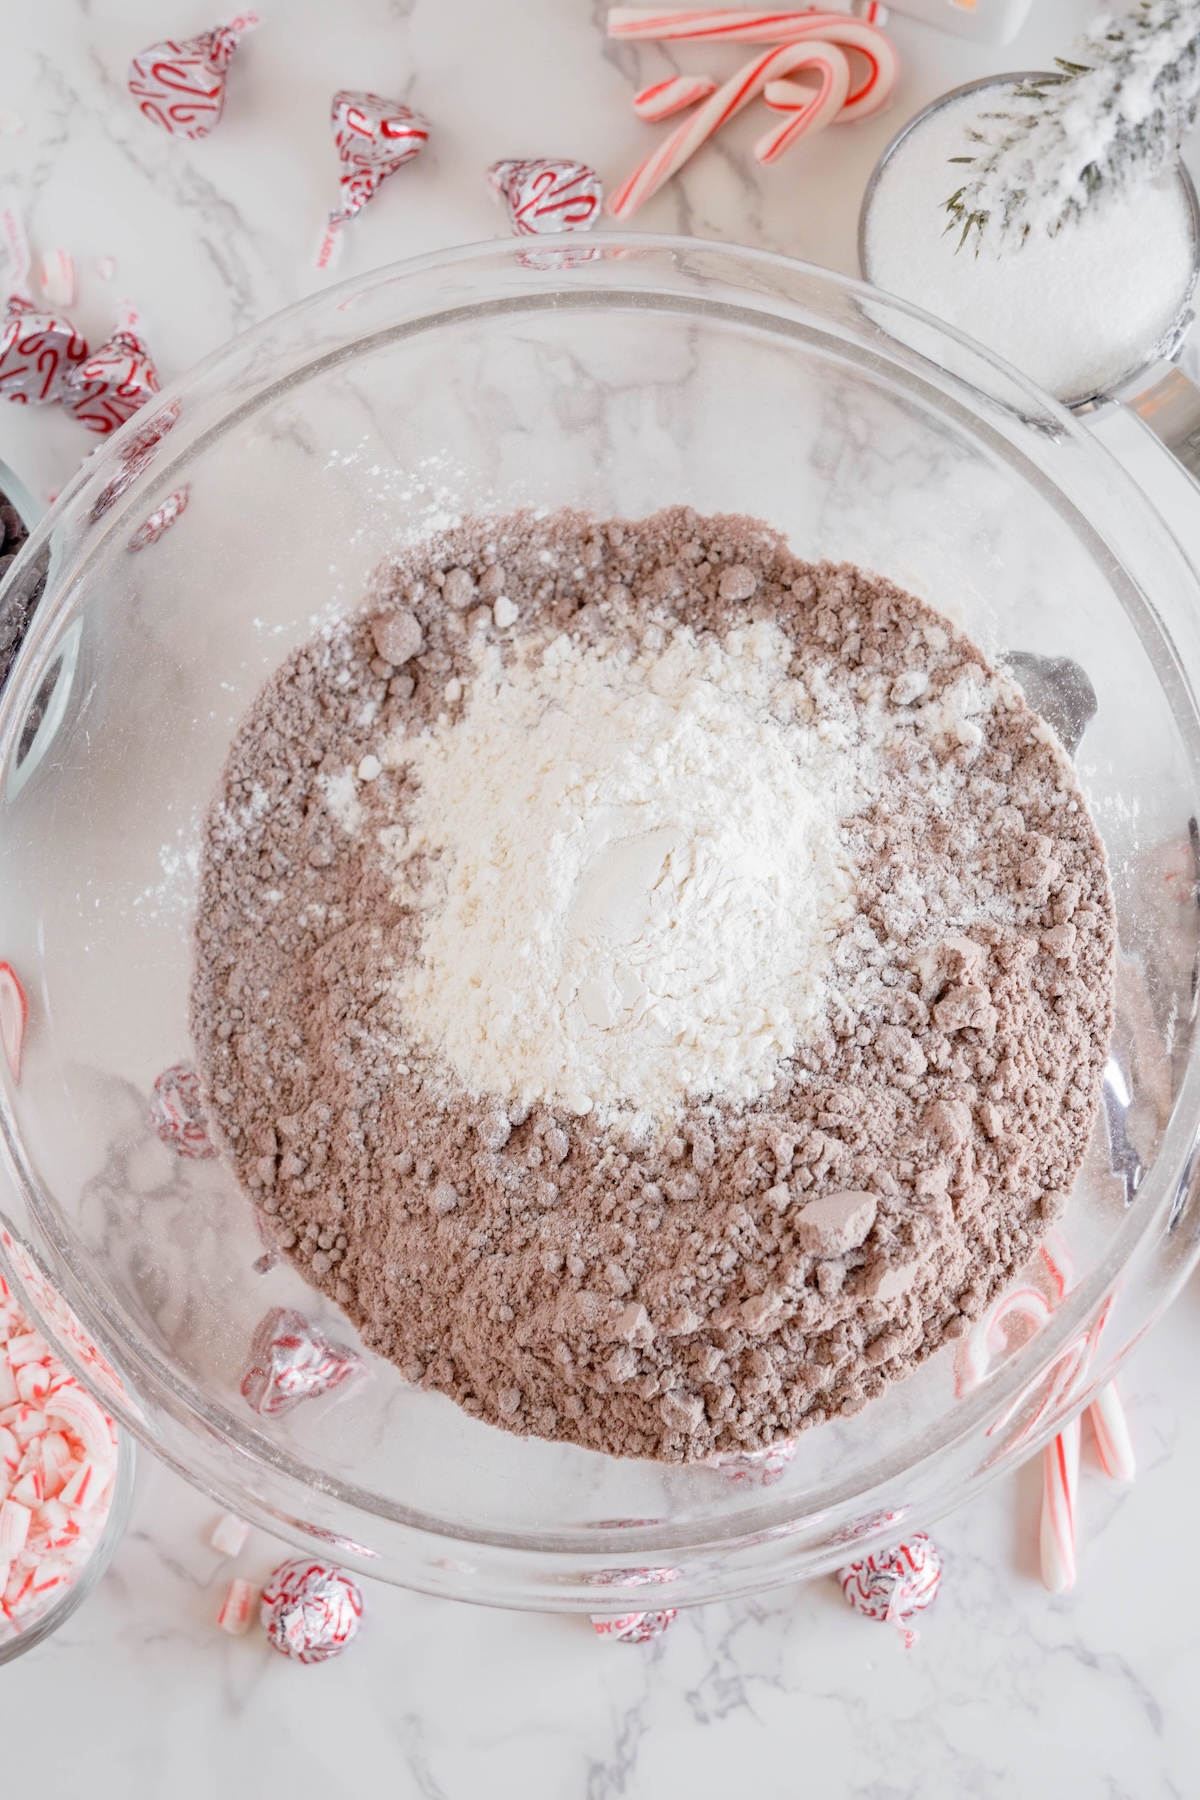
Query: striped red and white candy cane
x,y
816,110
867,95
671,96
708,118
1060,1480
1113,1442
786,96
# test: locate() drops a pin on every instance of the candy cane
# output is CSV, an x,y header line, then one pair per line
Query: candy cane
x,y
1112,1435
14,1016
872,93
786,96
1024,1304
728,100
817,109
1060,1479
672,95
988,1337
730,27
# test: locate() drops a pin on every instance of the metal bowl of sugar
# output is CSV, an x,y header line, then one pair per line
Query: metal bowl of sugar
x,y
1097,312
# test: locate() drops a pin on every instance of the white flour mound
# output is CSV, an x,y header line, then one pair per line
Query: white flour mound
x,y
631,869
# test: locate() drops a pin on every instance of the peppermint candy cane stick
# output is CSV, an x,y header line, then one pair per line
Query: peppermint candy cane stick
x,y
731,26
672,95
817,110
786,96
687,139
866,96
1060,1479
1112,1435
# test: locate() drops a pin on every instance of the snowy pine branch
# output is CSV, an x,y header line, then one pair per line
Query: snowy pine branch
x,y
1115,114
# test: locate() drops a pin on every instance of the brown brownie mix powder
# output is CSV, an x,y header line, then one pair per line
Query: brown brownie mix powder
x,y
722,1277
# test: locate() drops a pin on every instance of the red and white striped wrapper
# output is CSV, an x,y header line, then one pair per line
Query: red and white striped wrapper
x,y
139,452
161,519
177,1113
633,1627
892,1585
373,137
310,1610
547,194
291,1361
636,1627
111,383
1113,1443
857,1529
755,1468
1060,1481
180,84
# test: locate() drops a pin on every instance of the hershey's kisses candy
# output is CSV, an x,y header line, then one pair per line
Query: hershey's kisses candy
x,y
110,384
310,1610
290,1361
894,1584
374,137
177,1113
549,194
180,84
38,351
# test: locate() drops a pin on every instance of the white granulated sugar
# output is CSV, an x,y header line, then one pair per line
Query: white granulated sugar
x,y
637,870
1076,312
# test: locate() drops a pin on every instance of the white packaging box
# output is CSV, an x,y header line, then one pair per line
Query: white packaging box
x,y
985,21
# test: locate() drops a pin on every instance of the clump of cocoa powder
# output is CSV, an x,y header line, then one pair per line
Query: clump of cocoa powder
x,y
747,1270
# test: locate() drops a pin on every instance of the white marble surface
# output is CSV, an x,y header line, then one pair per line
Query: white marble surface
x,y
1009,1693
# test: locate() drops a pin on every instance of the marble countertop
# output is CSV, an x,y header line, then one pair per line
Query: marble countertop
x,y
1009,1692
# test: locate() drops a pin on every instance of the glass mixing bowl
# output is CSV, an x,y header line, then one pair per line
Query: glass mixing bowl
x,y
216,530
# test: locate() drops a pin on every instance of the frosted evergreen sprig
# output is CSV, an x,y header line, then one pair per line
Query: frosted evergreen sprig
x,y
1115,115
